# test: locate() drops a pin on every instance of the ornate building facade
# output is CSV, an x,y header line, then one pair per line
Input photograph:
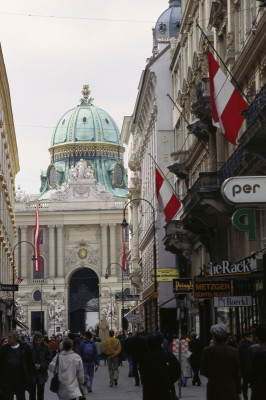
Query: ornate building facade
x,y
202,159
149,135
9,167
81,200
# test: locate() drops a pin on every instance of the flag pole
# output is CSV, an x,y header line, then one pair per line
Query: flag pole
x,y
173,189
205,148
225,66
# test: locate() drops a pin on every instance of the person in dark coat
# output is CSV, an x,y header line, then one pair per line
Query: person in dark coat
x,y
243,355
16,368
195,348
42,358
220,364
256,365
138,348
159,371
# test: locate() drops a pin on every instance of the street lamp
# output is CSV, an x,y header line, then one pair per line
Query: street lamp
x,y
124,225
107,276
33,259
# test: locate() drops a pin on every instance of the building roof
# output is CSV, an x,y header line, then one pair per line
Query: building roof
x,y
168,24
86,123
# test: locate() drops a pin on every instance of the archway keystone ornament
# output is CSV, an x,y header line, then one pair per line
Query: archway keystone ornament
x,y
82,253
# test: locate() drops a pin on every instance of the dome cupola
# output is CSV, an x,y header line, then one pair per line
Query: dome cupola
x,y
168,24
86,155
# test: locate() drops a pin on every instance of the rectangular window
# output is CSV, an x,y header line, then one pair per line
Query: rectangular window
x,y
41,236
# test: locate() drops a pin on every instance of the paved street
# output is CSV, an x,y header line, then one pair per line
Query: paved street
x,y
126,389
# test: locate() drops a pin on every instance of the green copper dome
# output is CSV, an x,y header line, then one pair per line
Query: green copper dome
x,y
86,123
86,156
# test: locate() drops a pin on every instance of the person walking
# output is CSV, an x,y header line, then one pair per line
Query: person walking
x,y
42,358
112,348
139,346
159,371
89,355
195,348
16,368
220,364
256,365
53,346
70,372
178,346
128,350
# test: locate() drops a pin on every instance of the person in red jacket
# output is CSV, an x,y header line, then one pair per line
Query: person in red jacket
x,y
53,346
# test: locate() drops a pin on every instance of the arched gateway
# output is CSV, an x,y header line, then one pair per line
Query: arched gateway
x,y
83,300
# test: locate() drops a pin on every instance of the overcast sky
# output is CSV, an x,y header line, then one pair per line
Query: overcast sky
x,y
52,47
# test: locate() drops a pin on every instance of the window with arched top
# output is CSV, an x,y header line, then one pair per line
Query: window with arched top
x,y
39,274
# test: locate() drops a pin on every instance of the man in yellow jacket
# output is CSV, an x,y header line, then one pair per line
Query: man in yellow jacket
x,y
112,348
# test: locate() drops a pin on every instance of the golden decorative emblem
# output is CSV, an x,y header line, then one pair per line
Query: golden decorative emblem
x,y
82,253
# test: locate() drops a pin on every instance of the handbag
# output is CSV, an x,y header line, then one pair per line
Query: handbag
x,y
82,397
54,385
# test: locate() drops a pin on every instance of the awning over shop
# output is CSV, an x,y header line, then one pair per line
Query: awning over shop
x,y
167,301
134,318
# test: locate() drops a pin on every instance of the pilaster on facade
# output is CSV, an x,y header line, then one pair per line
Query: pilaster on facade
x,y
51,229
104,248
60,251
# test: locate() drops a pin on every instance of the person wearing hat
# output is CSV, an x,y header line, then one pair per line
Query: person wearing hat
x,y
220,364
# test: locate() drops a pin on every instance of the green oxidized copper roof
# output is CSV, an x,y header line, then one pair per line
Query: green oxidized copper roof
x,y
88,133
86,123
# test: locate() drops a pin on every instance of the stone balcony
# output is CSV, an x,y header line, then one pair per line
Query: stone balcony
x,y
179,166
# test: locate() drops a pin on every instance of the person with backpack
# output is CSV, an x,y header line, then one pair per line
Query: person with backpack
x,y
88,353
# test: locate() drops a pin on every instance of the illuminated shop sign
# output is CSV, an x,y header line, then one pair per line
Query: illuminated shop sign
x,y
182,285
207,289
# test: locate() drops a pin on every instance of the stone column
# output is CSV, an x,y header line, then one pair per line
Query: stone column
x,y
60,251
24,273
113,259
51,251
104,248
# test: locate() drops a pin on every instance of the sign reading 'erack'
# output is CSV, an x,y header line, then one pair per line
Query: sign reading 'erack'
x,y
205,289
226,268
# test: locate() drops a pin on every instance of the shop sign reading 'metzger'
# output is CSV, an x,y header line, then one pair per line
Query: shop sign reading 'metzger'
x,y
204,289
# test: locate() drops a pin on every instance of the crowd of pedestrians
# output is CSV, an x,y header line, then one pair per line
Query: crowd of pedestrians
x,y
231,366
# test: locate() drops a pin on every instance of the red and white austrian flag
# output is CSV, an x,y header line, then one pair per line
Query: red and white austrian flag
x,y
226,102
167,200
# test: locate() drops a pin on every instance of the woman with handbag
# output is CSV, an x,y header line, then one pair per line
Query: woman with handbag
x,y
42,358
68,365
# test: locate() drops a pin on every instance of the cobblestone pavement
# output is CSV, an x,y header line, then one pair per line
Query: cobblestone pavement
x,y
126,389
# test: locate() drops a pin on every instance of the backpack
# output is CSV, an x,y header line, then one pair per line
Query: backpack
x,y
88,353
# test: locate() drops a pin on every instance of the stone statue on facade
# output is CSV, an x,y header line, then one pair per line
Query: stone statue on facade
x,y
103,329
81,185
55,312
22,196
20,312
109,312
